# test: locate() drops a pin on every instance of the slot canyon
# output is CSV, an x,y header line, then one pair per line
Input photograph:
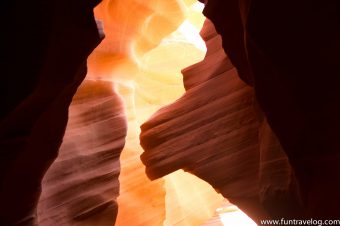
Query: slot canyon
x,y
169,112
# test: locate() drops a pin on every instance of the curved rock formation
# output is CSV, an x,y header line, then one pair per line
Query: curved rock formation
x,y
51,66
132,28
148,77
216,132
244,140
292,51
82,185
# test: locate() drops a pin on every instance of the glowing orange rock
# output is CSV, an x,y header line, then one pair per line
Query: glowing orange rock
x,y
215,132
144,54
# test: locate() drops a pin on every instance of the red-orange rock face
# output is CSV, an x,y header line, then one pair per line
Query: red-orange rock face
x,y
292,51
46,63
82,185
215,132
264,133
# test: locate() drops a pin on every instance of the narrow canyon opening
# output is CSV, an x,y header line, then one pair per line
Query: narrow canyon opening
x,y
117,130
146,47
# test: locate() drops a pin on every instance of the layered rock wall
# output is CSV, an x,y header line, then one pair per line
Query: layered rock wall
x,y
81,187
47,62
292,51
217,132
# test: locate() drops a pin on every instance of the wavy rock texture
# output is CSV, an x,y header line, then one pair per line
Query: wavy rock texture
x,y
45,65
82,185
143,53
215,132
132,28
290,52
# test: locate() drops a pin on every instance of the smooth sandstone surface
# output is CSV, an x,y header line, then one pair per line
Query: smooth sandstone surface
x,y
143,54
81,186
289,52
216,132
264,133
45,65
145,81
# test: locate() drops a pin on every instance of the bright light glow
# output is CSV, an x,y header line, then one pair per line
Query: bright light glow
x,y
146,45
197,6
234,217
191,35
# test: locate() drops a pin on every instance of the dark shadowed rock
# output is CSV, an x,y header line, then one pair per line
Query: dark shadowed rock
x,y
293,51
47,62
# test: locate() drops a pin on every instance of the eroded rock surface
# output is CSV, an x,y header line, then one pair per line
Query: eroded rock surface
x,y
47,62
292,51
146,45
82,185
216,132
